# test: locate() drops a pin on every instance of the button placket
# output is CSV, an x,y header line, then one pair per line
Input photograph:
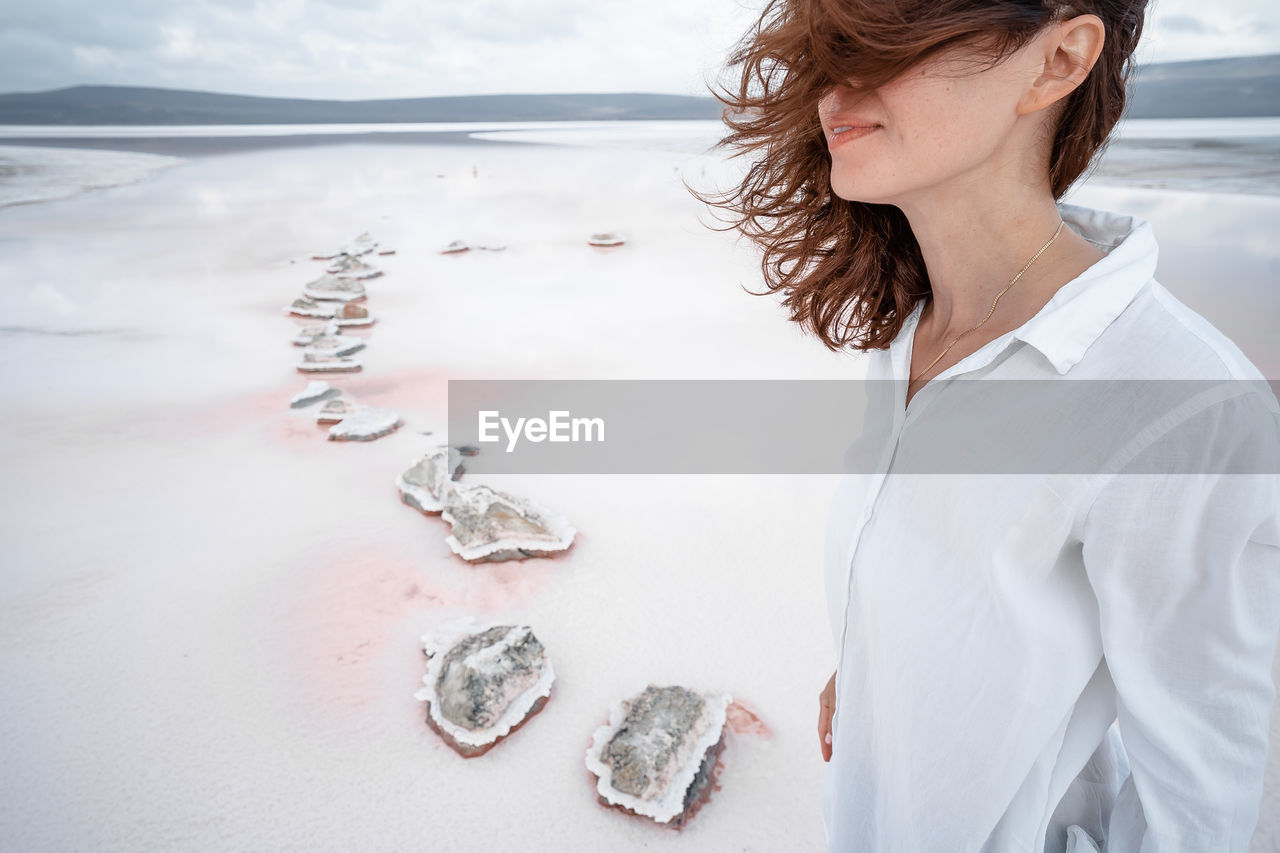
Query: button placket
x,y
903,416
886,463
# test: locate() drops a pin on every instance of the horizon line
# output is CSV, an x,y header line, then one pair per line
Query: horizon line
x,y
1137,66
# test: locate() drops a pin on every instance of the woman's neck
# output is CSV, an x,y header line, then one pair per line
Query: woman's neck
x,y
975,243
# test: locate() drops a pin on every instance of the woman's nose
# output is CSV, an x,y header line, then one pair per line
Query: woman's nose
x,y
836,96
828,103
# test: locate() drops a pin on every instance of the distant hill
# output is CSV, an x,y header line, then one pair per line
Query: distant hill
x,y
1207,88
1241,86
137,105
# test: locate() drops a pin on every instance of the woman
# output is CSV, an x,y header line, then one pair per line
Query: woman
x,y
1050,658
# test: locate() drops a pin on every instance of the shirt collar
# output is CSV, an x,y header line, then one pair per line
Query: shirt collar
x,y
1068,324
1081,309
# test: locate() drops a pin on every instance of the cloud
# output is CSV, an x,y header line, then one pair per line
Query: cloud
x,y
1185,24
408,48
370,48
1190,29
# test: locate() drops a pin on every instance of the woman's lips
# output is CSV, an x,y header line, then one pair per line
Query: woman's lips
x,y
840,134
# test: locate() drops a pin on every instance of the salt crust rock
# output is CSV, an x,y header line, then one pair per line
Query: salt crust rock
x,y
349,267
458,246
430,479
335,410
484,679
304,307
342,314
655,755
606,238
331,288
349,311
352,314
491,525
315,390
365,424
311,331
324,363
333,345
362,245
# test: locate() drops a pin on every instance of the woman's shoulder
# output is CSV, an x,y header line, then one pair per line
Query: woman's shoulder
x,y
1158,336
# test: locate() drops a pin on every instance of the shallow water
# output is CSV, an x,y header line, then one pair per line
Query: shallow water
x,y
30,174
1217,254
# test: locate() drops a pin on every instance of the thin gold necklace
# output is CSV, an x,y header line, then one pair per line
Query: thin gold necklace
x,y
993,304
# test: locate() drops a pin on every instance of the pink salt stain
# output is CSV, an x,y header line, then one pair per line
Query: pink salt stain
x,y
336,621
744,720
270,408
219,415
418,389
507,585
340,622
496,586
424,389
414,389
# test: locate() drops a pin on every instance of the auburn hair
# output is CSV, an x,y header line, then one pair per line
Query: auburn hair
x,y
851,271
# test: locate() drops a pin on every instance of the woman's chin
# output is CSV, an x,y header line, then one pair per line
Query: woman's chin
x,y
862,193
854,184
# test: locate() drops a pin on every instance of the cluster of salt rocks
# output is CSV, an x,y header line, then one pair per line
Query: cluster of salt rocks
x,y
337,300
337,296
485,523
601,240
657,755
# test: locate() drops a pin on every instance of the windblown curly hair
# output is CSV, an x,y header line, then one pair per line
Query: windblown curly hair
x,y
851,271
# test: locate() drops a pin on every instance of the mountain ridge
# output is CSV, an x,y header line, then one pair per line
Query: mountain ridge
x,y
1206,88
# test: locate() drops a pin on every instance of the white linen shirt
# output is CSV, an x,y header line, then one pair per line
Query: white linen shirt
x,y
1055,662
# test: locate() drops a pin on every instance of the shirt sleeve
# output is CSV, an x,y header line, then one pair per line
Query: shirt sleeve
x,y
1181,548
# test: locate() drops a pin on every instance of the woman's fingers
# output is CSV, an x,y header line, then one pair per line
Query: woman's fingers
x,y
826,708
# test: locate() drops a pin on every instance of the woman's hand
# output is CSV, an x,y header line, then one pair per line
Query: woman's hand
x,y
826,708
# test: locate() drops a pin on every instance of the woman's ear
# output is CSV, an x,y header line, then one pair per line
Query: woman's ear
x,y
1064,55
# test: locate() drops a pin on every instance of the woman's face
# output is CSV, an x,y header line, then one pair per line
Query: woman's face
x,y
948,122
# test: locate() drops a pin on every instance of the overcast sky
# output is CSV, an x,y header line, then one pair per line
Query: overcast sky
x,y
406,48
